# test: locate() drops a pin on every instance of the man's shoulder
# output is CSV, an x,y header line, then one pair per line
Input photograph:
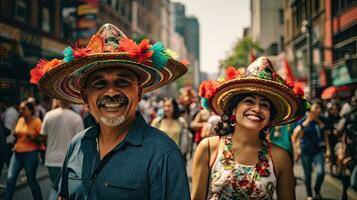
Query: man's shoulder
x,y
80,135
159,139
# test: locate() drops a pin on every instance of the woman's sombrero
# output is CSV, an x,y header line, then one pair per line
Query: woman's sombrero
x,y
63,79
261,78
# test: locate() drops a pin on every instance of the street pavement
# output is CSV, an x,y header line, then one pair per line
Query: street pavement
x,y
331,188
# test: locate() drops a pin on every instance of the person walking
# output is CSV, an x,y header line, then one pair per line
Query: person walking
x,y
59,126
241,163
26,153
310,137
122,157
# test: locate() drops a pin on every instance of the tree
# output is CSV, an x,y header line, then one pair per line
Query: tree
x,y
239,55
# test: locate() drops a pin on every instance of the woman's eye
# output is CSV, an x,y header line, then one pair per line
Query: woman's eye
x,y
250,101
266,105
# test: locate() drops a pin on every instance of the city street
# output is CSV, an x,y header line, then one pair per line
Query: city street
x,y
331,188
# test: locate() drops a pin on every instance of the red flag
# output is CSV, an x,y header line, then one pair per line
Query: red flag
x,y
252,57
289,76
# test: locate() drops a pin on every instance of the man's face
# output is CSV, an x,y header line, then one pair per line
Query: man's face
x,y
112,95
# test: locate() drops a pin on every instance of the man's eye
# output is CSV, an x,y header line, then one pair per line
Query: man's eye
x,y
122,83
99,84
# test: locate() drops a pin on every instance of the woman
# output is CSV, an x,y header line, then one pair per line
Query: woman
x,y
241,163
309,135
26,153
171,123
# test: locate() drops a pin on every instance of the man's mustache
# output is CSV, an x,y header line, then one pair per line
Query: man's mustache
x,y
117,99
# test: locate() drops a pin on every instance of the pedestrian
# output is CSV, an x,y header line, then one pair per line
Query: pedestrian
x,y
59,126
122,157
241,163
26,151
309,135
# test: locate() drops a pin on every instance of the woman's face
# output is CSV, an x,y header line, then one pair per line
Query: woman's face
x,y
168,108
315,109
24,110
253,112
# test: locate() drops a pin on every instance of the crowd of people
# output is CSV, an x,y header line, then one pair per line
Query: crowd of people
x,y
243,133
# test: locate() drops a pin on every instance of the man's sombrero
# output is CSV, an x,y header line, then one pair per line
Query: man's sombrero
x,y
260,78
63,79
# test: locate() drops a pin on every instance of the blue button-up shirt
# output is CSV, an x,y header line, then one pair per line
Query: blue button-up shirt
x,y
146,165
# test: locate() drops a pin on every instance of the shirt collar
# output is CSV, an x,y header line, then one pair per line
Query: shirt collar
x,y
135,134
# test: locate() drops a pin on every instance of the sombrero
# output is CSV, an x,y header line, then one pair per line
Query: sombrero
x,y
64,78
261,78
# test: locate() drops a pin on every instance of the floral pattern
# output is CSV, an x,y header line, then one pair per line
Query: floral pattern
x,y
231,180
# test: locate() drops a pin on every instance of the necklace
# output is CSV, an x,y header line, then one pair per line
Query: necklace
x,y
247,183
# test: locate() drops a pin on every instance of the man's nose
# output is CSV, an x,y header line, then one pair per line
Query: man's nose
x,y
112,90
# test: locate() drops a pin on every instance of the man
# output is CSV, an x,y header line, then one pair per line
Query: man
x,y
122,157
59,127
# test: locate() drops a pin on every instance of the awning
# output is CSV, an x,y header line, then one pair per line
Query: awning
x,y
334,91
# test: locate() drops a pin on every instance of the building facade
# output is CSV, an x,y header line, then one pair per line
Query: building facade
x,y
30,29
341,42
303,42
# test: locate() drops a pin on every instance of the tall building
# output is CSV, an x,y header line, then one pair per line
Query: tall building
x,y
267,24
340,42
188,29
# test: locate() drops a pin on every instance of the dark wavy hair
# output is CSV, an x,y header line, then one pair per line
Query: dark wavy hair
x,y
30,106
176,111
224,127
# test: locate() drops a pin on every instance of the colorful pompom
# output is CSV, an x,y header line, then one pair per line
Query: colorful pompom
x,y
171,53
205,103
159,58
68,54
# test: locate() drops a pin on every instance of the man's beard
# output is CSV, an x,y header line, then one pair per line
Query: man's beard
x,y
112,122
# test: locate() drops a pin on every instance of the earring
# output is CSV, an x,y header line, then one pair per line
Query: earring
x,y
232,120
266,130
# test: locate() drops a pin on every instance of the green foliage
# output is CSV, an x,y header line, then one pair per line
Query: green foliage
x,y
239,54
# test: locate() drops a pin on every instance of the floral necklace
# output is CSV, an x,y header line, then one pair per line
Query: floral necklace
x,y
262,167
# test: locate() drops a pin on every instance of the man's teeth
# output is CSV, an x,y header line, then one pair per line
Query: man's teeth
x,y
112,105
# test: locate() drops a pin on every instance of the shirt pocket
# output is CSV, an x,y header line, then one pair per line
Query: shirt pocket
x,y
120,189
75,186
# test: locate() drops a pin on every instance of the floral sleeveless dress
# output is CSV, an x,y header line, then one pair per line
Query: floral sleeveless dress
x,y
231,180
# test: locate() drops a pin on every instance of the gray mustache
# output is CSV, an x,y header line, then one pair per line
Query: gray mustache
x,y
117,99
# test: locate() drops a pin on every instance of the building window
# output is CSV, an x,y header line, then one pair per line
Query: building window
x,y
23,11
45,18
342,5
281,16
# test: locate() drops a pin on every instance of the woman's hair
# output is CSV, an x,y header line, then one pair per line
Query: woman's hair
x,y
318,102
30,106
176,109
224,126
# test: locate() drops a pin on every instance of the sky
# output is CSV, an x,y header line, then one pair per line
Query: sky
x,y
221,24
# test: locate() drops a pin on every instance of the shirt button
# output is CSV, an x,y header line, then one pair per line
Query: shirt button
x,y
106,184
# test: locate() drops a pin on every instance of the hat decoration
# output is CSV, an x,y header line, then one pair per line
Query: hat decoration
x,y
154,64
206,91
260,78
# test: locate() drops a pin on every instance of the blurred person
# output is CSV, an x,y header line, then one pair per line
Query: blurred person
x,y
346,150
198,122
241,163
40,111
331,121
171,123
10,117
26,151
59,126
3,151
281,136
122,157
309,136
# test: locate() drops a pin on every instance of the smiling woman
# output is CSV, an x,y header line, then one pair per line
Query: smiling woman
x,y
241,163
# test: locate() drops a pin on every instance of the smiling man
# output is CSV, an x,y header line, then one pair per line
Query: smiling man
x,y
122,157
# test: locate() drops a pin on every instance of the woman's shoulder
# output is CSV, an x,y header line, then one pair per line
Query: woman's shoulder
x,y
280,157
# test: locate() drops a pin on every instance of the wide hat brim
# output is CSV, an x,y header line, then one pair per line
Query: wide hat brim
x,y
284,100
66,80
